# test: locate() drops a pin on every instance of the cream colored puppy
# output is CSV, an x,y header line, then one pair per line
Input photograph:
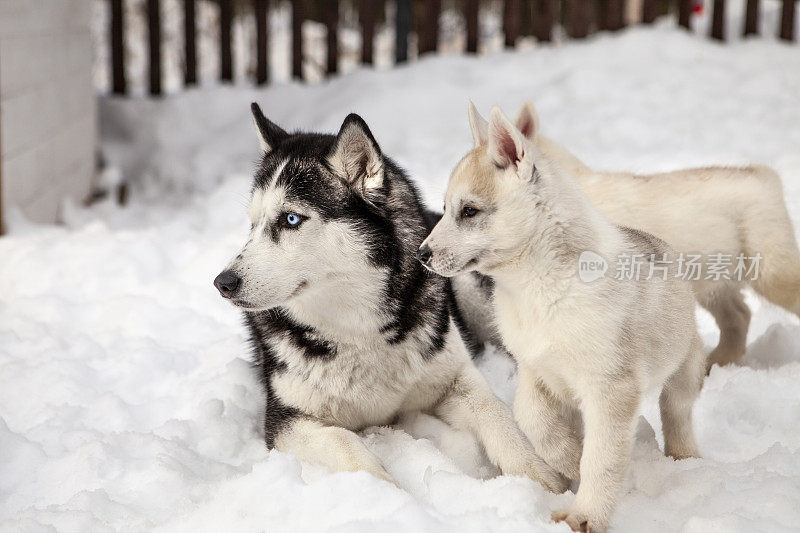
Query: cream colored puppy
x,y
701,211
706,211
587,349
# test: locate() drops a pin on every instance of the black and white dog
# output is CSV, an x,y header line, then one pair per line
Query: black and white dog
x,y
349,329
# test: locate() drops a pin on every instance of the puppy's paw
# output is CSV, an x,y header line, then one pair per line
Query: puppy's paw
x,y
577,521
541,472
386,476
551,480
682,451
569,463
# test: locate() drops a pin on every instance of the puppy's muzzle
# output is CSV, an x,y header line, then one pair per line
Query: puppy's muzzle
x,y
424,254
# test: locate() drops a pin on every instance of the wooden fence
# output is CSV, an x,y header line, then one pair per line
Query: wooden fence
x,y
579,18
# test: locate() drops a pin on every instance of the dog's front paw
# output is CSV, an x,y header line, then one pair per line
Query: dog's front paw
x,y
578,521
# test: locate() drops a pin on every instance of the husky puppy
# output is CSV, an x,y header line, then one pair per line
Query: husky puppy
x,y
706,211
348,329
583,348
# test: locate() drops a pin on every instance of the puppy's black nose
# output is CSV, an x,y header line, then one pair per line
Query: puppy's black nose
x,y
227,283
424,254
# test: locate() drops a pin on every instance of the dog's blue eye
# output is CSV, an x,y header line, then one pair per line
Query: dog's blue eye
x,y
293,219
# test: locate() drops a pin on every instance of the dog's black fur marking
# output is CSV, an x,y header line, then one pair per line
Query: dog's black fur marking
x,y
474,345
277,416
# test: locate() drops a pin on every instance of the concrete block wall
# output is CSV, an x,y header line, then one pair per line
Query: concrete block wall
x,y
48,110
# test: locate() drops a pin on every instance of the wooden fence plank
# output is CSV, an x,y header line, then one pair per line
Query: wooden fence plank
x,y
718,20
402,29
578,18
429,27
685,13
471,14
787,20
118,85
332,23
366,17
751,18
189,43
298,16
154,34
511,20
611,15
543,17
225,53
261,12
649,11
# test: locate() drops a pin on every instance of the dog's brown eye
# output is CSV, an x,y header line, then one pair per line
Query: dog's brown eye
x,y
468,211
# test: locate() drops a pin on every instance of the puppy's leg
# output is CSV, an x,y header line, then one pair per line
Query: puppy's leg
x,y
335,447
471,405
727,306
676,402
609,416
541,416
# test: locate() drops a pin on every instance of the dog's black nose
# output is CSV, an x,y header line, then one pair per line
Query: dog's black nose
x,y
227,283
424,254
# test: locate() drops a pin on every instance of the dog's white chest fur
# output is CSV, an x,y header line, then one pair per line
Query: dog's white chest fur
x,y
362,386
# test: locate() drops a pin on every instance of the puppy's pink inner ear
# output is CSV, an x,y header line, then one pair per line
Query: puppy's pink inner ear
x,y
526,127
505,145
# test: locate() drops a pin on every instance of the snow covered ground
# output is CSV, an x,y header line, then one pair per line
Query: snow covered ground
x,y
126,401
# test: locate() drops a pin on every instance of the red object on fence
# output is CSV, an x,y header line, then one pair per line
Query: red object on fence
x,y
698,8
366,16
118,85
261,11
787,20
190,47
332,23
154,34
225,53
298,15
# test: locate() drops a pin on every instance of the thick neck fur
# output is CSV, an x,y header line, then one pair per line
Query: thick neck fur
x,y
562,224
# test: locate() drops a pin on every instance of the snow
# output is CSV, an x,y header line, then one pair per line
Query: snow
x,y
126,399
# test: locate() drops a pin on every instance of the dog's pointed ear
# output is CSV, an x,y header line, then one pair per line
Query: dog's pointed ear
x,y
270,134
479,126
356,157
506,144
527,121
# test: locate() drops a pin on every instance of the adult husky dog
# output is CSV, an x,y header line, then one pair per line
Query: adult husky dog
x,y
715,210
349,330
583,348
